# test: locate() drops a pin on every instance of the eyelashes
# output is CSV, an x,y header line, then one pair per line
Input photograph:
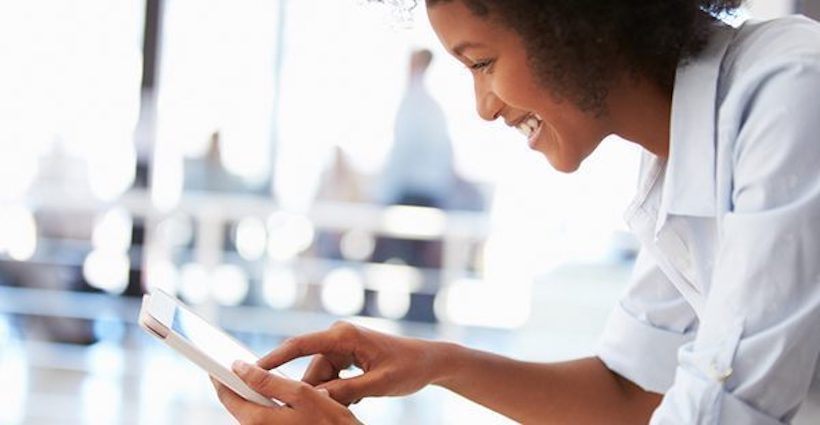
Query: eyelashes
x,y
482,65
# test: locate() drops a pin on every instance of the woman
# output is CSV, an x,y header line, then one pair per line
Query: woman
x,y
721,322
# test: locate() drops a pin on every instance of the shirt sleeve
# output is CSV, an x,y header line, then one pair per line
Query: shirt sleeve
x,y
646,328
756,351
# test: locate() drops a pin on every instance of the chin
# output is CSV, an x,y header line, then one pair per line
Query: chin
x,y
563,165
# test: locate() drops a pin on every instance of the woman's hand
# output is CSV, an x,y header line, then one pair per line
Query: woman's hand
x,y
392,365
305,404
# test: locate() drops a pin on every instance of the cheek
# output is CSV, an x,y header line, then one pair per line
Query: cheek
x,y
516,87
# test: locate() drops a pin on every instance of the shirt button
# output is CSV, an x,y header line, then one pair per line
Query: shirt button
x,y
717,375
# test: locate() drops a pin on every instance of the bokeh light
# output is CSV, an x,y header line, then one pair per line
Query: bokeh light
x,y
113,230
288,235
251,238
357,245
343,292
394,275
280,287
194,283
393,303
175,231
107,270
18,232
229,284
414,222
162,274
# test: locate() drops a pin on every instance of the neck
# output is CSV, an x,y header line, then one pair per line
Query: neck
x,y
641,112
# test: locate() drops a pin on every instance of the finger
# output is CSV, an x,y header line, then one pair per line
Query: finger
x,y
293,393
300,346
237,406
351,390
320,370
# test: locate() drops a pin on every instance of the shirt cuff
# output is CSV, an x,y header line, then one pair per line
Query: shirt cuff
x,y
697,399
640,352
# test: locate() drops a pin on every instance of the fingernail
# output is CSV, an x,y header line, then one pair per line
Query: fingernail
x,y
324,391
240,367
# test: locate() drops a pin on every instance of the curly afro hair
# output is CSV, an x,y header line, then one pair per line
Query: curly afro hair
x,y
578,48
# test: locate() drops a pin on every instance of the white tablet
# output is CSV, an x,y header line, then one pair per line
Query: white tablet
x,y
208,347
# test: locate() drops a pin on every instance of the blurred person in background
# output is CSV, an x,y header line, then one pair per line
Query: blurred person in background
x,y
340,182
719,322
207,173
419,168
419,171
55,267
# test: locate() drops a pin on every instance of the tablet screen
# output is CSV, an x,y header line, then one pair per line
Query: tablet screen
x,y
209,339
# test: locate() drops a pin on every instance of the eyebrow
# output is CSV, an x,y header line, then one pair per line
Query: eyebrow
x,y
461,47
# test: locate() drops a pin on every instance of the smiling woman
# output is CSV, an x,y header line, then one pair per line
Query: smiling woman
x,y
564,119
718,324
579,48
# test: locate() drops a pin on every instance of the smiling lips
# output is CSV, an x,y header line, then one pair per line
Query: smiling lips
x,y
530,126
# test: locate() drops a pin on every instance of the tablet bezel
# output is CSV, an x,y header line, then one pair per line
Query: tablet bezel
x,y
156,317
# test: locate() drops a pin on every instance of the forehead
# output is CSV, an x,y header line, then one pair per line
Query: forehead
x,y
458,26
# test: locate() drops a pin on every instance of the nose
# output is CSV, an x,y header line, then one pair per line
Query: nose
x,y
488,105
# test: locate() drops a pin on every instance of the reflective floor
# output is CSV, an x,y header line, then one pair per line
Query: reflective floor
x,y
132,379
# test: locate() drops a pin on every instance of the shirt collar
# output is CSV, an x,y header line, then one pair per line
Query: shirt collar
x,y
689,183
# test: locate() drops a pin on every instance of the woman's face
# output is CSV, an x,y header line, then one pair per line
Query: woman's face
x,y
505,87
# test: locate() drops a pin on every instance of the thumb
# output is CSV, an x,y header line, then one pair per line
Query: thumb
x,y
352,390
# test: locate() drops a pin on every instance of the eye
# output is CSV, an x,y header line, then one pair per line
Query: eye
x,y
482,65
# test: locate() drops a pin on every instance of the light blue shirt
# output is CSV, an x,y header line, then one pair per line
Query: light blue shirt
x,y
722,315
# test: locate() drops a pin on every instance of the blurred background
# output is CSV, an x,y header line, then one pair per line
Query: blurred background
x,y
279,165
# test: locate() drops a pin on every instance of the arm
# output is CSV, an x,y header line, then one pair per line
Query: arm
x,y
581,391
640,345
758,344
636,362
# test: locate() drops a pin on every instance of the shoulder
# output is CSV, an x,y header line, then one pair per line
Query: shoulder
x,y
762,48
767,121
784,39
769,61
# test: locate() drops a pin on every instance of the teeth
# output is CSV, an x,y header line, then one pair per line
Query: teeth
x,y
528,126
